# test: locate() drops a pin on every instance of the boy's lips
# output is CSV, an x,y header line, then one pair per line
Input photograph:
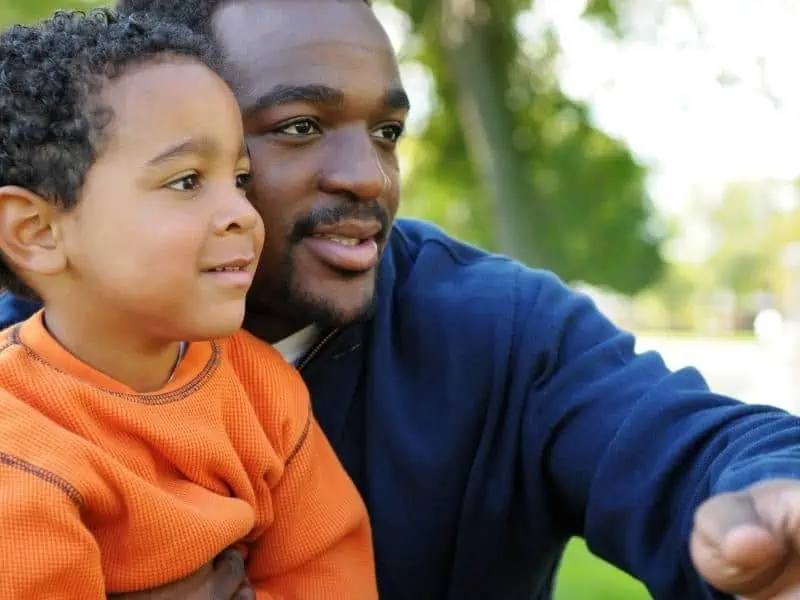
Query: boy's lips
x,y
237,271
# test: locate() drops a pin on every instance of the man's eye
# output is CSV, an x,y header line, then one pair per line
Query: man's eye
x,y
300,127
187,183
389,133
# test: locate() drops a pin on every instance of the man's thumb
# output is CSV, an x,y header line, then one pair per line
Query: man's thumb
x,y
733,549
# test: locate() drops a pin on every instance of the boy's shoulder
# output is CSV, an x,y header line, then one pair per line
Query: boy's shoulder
x,y
275,388
38,453
250,355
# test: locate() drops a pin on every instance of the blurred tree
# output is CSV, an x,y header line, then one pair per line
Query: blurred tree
x,y
748,227
744,259
512,164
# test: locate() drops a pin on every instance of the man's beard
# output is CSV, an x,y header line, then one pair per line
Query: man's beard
x,y
302,307
285,297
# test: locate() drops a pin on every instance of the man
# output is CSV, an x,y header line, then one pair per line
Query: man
x,y
486,412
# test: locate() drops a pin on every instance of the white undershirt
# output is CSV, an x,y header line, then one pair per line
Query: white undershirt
x,y
297,345
292,348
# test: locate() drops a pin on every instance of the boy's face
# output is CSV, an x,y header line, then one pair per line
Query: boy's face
x,y
163,209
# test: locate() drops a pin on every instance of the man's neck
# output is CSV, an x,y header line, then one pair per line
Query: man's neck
x,y
296,346
267,327
120,352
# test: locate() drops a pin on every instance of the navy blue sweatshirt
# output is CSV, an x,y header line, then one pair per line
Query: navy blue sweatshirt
x,y
488,413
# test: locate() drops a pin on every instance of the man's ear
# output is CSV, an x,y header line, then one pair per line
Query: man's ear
x,y
29,237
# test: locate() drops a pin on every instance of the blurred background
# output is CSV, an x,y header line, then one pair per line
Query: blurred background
x,y
645,150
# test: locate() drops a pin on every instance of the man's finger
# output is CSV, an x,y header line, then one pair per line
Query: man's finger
x,y
735,547
229,575
246,592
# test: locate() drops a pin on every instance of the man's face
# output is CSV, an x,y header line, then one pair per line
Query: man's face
x,y
323,107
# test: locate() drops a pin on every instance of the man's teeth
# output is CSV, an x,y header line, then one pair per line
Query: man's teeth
x,y
219,269
339,239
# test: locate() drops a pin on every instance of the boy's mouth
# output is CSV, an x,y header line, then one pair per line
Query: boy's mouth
x,y
236,272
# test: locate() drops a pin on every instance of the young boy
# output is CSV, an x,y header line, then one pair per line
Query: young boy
x,y
134,446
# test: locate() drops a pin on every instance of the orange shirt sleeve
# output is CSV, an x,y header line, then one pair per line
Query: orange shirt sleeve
x,y
319,546
47,550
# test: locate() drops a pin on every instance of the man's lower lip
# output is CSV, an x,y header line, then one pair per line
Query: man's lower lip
x,y
361,257
233,278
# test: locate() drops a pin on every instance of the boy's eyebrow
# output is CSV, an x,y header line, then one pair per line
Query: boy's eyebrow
x,y
203,145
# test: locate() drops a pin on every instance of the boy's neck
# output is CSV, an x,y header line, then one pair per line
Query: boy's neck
x,y
119,351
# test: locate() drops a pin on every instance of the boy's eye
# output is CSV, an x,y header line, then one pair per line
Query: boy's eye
x,y
242,179
187,183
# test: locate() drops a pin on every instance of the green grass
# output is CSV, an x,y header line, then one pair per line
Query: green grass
x,y
585,577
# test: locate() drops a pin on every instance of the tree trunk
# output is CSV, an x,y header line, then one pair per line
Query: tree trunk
x,y
486,121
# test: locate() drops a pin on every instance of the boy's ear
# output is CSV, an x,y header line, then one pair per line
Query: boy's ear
x,y
29,237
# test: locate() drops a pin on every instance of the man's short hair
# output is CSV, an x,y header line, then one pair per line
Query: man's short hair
x,y
195,14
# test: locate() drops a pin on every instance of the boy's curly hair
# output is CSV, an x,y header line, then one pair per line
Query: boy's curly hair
x,y
52,123
194,14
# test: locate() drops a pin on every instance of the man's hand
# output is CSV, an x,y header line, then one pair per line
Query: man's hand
x,y
748,543
224,579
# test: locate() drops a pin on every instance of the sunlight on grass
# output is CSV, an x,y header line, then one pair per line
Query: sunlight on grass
x,y
585,577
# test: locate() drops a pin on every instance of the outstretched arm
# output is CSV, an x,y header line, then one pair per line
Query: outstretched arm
x,y
631,449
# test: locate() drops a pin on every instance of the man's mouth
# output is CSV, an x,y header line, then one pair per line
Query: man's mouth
x,y
349,246
339,239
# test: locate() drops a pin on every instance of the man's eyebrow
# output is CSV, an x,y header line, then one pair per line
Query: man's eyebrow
x,y
396,98
312,93
202,145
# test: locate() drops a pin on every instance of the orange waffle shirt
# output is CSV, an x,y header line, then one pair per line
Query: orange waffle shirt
x,y
104,490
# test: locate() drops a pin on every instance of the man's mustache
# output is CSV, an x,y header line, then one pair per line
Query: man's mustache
x,y
331,215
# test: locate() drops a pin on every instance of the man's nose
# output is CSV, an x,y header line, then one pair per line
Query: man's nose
x,y
352,165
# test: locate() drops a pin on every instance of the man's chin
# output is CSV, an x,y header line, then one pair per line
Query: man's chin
x,y
335,302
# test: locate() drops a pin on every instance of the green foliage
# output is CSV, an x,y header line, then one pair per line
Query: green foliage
x,y
584,204
605,12
748,231
25,11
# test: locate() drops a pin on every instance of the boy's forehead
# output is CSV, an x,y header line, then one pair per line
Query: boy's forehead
x,y
173,88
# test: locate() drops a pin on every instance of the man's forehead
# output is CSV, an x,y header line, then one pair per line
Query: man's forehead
x,y
277,52
265,26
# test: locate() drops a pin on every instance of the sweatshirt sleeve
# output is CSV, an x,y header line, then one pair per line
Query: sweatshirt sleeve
x,y
629,449
47,550
319,544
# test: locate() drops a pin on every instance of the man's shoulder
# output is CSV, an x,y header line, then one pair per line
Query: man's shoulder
x,y
413,240
14,309
423,259
437,285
